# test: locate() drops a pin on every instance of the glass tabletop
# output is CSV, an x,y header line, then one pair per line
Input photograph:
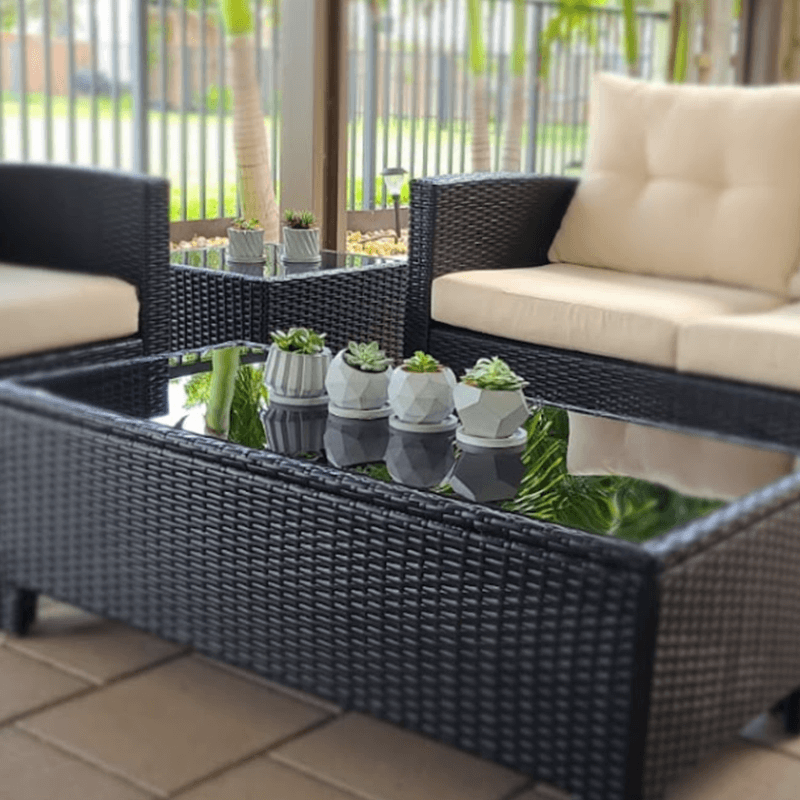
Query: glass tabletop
x,y
600,475
215,257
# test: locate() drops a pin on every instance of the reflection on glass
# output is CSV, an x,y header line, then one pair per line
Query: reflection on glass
x,y
292,430
422,460
355,441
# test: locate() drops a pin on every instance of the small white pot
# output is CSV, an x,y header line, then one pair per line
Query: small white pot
x,y
422,397
301,244
296,378
353,390
489,413
245,247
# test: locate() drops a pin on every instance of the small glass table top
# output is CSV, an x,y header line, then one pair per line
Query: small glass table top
x,y
216,258
599,475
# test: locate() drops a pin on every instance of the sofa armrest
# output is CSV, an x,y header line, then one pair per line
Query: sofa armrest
x,y
92,221
478,221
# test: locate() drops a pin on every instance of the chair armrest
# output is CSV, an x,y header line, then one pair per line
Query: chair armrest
x,y
478,221
92,221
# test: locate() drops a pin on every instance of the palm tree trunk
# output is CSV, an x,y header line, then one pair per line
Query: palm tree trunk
x,y
512,145
481,151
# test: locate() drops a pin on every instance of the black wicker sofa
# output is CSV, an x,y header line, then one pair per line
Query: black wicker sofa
x,y
94,222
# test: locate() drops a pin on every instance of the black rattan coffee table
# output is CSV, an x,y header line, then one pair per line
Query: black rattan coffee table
x,y
596,664
346,295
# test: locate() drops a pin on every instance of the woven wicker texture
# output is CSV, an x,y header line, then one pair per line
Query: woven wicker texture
x,y
92,221
484,221
520,641
728,645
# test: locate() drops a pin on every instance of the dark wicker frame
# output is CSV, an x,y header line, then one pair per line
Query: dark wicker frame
x,y
212,307
94,221
525,642
503,221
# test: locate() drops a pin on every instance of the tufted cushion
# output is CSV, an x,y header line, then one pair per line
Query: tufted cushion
x,y
689,182
754,348
47,309
693,465
582,308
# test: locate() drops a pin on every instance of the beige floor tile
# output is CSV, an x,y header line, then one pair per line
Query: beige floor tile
x,y
172,725
385,762
304,697
31,770
542,791
261,779
741,771
90,646
26,684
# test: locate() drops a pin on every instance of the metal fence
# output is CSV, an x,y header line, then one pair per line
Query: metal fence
x,y
409,87
132,84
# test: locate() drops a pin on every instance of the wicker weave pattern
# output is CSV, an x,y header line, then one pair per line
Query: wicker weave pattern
x,y
517,640
91,221
485,221
728,645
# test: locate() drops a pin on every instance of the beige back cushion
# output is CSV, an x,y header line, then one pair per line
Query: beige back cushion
x,y
689,182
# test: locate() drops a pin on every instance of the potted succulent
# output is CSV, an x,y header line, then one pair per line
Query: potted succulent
x,y
421,394
358,382
297,363
300,237
246,242
490,404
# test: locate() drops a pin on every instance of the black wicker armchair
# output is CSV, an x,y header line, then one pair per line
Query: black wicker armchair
x,y
493,221
97,222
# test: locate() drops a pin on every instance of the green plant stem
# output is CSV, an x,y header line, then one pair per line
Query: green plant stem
x,y
225,363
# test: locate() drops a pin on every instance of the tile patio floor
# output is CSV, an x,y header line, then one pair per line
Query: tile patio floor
x,y
93,710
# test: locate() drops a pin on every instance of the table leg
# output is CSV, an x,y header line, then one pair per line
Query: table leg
x,y
17,609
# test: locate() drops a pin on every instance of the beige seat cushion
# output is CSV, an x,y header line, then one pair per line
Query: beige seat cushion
x,y
45,309
754,348
634,317
692,465
689,182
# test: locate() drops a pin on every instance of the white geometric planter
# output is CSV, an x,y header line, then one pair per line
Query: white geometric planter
x,y
355,393
422,398
301,244
245,247
296,378
489,413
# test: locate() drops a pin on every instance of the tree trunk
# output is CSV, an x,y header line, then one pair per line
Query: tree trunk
x,y
250,140
481,150
512,146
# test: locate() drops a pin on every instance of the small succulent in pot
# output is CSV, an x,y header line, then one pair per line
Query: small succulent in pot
x,y
489,400
358,381
246,241
297,363
421,391
300,237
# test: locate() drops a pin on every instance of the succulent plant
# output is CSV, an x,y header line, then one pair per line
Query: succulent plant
x,y
494,374
299,340
421,362
242,224
367,357
299,219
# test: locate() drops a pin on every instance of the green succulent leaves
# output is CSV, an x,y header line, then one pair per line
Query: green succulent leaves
x,y
494,374
421,362
368,357
299,219
299,340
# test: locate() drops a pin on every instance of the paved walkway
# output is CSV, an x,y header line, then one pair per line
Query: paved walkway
x,y
93,710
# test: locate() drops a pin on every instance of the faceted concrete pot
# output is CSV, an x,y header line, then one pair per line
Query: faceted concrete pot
x,y
422,397
292,430
296,378
489,413
355,393
245,247
301,244
355,441
488,475
421,460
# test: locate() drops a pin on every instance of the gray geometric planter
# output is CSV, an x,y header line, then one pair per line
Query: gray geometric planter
x,y
422,397
245,247
489,413
421,460
292,430
488,475
355,393
354,441
301,244
296,378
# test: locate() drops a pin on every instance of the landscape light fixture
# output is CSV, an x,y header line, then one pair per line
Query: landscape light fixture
x,y
393,179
